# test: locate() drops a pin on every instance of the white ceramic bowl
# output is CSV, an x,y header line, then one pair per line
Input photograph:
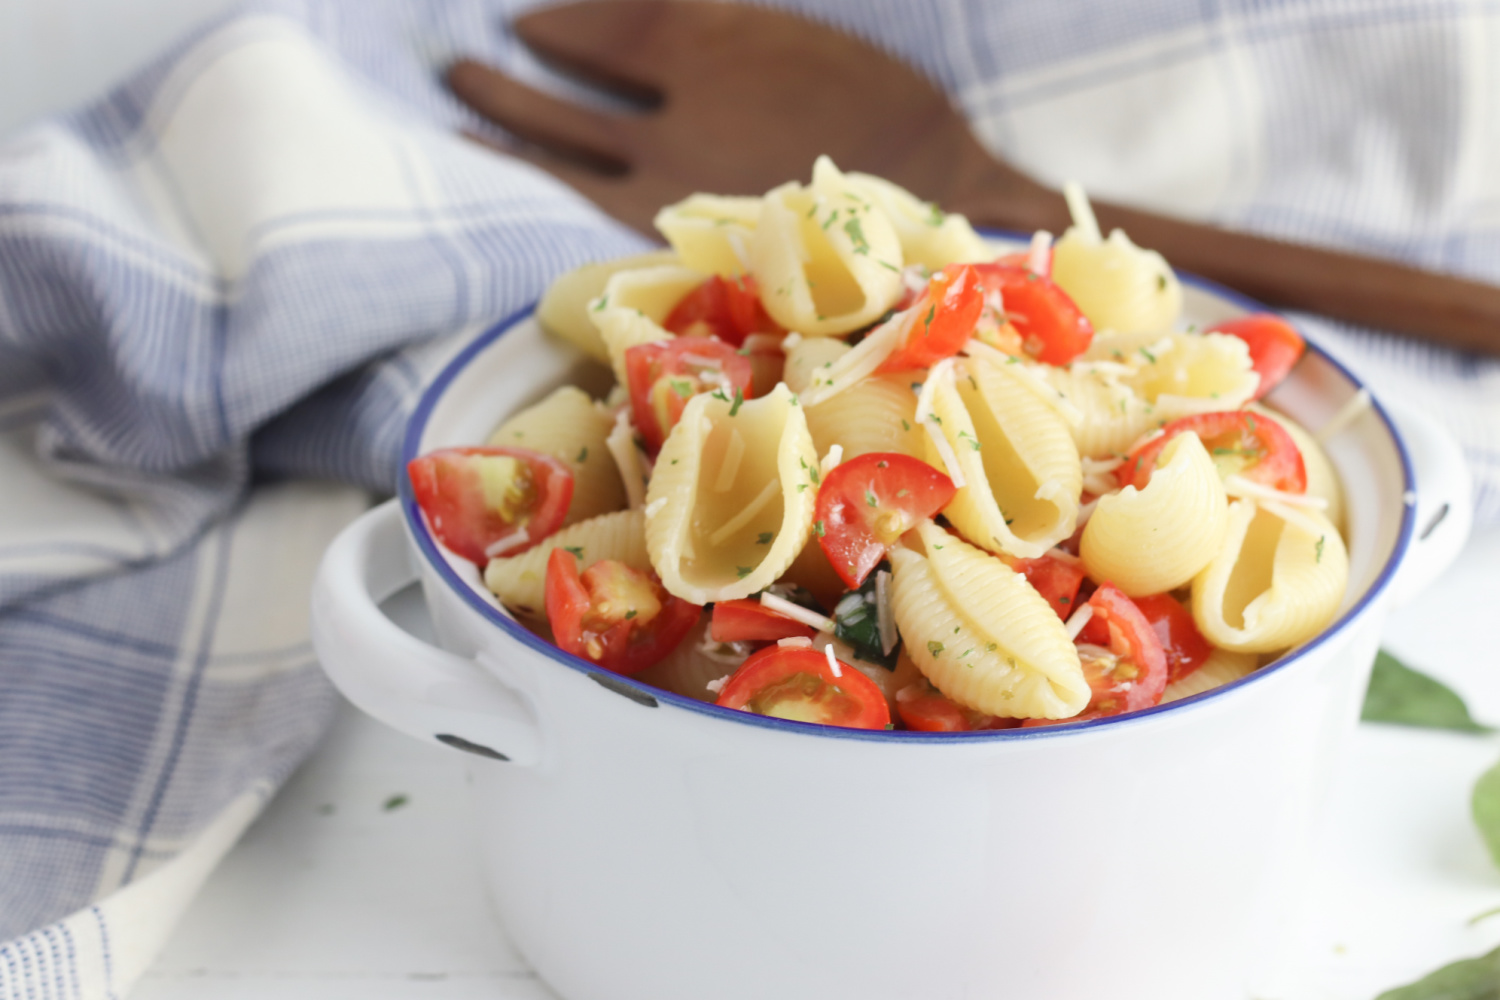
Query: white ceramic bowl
x,y
644,846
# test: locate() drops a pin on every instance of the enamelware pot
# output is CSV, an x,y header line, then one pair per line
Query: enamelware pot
x,y
640,845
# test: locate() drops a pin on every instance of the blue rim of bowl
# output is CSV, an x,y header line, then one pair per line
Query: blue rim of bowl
x,y
429,548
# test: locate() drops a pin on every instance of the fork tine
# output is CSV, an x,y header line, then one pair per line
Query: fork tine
x,y
609,43
601,140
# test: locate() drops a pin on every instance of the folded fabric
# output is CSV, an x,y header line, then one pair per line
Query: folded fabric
x,y
230,277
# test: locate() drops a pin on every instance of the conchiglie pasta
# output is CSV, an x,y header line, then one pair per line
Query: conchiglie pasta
x,y
981,634
1221,667
634,306
1158,538
1277,581
730,501
876,414
710,232
1112,416
564,308
811,362
928,236
1185,373
1118,285
1020,469
520,581
827,261
569,426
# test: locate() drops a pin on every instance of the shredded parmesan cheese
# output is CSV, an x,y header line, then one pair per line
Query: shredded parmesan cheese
x,y
500,545
790,341
654,507
1081,211
1078,620
1033,378
716,686
733,455
621,445
831,460
1041,242
1237,485
729,527
797,612
1098,466
883,616
795,642
833,661
942,371
1291,515
860,362
1347,414
1086,511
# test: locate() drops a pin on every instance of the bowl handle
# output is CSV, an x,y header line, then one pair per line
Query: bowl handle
x,y
1444,500
412,686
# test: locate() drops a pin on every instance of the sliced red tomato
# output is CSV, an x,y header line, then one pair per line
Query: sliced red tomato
x,y
1056,579
868,502
1185,648
727,308
748,620
1250,444
1275,346
613,615
485,503
1134,673
1053,329
664,375
925,708
940,322
798,683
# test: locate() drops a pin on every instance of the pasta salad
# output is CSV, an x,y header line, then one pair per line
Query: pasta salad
x,y
856,469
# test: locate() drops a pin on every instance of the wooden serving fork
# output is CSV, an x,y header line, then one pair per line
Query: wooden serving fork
x,y
736,99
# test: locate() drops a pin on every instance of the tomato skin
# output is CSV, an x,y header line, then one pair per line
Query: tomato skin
x,y
748,620
868,502
651,369
729,309
1052,327
1139,676
940,321
1057,580
1185,648
622,645
1275,460
1275,346
449,490
926,709
797,683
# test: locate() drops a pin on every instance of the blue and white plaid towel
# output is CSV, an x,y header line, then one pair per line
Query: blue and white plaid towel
x,y
221,286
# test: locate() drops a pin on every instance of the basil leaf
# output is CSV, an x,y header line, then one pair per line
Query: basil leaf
x,y
856,623
1484,805
1405,697
1470,979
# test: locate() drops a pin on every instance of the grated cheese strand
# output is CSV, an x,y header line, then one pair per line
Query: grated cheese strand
x,y
621,445
833,661
1078,620
729,527
1237,485
1351,411
795,642
831,460
1036,259
501,544
884,617
797,612
862,361
1081,211
1048,393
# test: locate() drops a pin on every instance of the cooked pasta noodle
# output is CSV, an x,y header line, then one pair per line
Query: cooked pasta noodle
x,y
568,426
711,233
519,581
634,306
564,308
929,236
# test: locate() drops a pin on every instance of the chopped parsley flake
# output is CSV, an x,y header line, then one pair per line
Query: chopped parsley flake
x,y
1321,540
743,571
739,398
934,647
857,236
764,538
577,550
870,499
630,614
818,527
583,455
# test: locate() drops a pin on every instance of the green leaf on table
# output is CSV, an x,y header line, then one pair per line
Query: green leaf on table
x,y
1485,806
1403,696
1470,979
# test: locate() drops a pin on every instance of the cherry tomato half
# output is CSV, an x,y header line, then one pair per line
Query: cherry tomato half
x,y
1052,328
925,708
613,615
797,683
1185,648
868,502
1274,346
727,308
1134,675
664,375
1057,580
477,498
940,322
748,620
1250,444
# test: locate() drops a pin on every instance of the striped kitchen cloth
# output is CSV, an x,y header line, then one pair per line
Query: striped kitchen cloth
x,y
222,284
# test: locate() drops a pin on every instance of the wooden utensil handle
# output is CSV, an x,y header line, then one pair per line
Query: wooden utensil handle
x,y
1345,286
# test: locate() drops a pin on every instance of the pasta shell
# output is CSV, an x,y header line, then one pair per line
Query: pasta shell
x,y
826,259
1111,415
981,634
812,361
520,581
730,503
1221,667
1020,469
1277,581
1187,373
929,236
634,306
876,414
1118,285
564,308
568,426
711,233
1157,539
